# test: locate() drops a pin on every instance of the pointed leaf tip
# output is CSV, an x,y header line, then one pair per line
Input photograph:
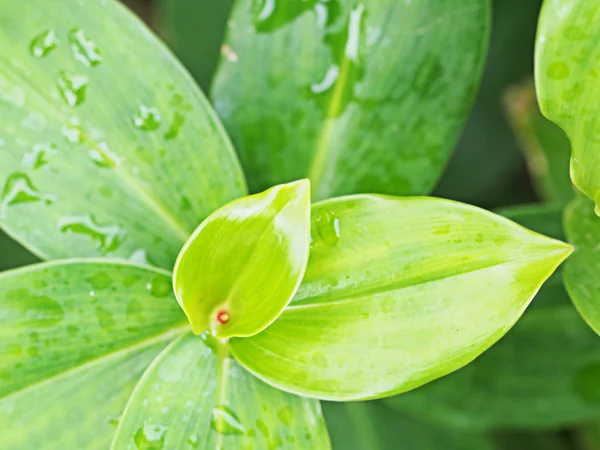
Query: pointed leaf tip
x,y
244,263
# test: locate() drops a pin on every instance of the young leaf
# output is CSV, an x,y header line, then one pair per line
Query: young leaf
x,y
542,374
74,338
359,96
195,396
567,61
582,274
544,144
243,264
398,292
104,138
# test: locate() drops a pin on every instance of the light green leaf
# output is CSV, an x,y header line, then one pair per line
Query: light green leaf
x,y
243,264
372,426
84,328
543,374
582,273
104,138
567,61
359,96
195,396
398,292
544,145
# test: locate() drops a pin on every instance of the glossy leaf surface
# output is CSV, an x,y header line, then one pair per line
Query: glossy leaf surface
x,y
195,396
543,374
359,96
73,338
398,292
243,264
567,62
582,274
104,138
544,144
372,426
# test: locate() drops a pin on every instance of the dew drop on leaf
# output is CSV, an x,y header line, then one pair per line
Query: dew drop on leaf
x,y
19,189
103,157
175,127
193,441
107,237
285,415
37,157
225,421
147,119
328,227
105,318
160,287
84,50
100,281
150,437
43,44
38,311
72,88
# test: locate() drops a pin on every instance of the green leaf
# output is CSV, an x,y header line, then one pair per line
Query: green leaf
x,y
544,145
243,264
372,426
357,96
105,139
542,374
398,292
74,336
567,60
195,396
582,273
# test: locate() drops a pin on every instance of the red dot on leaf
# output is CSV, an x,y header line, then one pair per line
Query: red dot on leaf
x,y
223,317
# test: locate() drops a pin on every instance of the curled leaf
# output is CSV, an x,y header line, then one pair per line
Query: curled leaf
x,y
244,263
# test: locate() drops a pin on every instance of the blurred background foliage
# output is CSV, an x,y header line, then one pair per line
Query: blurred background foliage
x,y
539,387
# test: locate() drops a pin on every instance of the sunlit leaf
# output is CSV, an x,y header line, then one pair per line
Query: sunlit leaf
x,y
398,292
243,264
74,337
372,426
567,62
195,396
359,96
107,146
542,374
582,274
544,145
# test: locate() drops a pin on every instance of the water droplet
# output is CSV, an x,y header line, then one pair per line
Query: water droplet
x,y
114,420
106,318
262,427
139,256
34,122
19,189
43,44
72,88
160,286
84,50
100,281
175,127
185,204
558,70
147,119
328,227
285,414
150,437
193,441
225,421
107,237
36,311
38,156
103,157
